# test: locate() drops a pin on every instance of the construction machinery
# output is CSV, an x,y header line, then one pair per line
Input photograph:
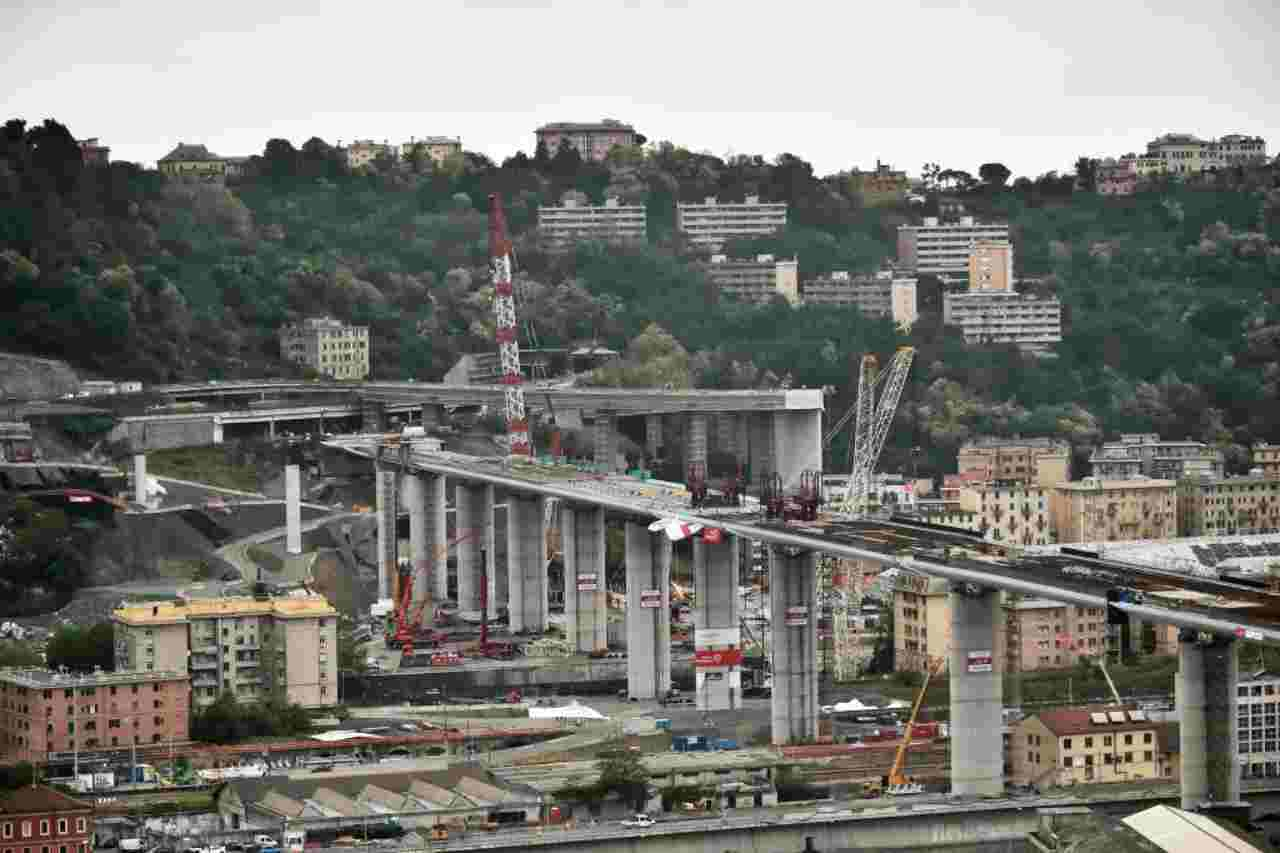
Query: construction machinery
x,y
897,782
505,328
498,649
800,506
729,494
873,422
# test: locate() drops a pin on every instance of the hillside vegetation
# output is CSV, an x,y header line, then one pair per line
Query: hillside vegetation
x,y
1172,321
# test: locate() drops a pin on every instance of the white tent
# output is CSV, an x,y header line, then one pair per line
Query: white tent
x,y
573,711
846,707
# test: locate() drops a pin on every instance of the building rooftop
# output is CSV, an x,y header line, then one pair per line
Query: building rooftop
x,y
603,124
38,799
190,153
1093,484
43,678
1088,719
172,612
991,441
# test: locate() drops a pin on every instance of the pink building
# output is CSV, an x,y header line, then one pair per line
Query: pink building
x,y
593,140
94,153
1117,178
43,712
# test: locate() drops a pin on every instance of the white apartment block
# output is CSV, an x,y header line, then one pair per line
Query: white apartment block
x,y
611,222
437,148
943,248
885,293
757,281
711,223
1185,154
362,152
991,317
1257,708
327,346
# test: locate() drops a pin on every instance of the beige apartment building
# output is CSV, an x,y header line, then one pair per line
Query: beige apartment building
x,y
991,267
436,148
612,222
1010,512
593,140
885,293
192,163
363,152
757,281
1267,457
883,185
1031,323
1094,510
940,248
327,346
253,647
711,223
1214,506
1044,462
1094,743
922,621
1147,455
1045,634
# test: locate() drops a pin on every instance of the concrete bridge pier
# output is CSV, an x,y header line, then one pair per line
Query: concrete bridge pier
x,y
387,508
648,612
605,434
697,439
293,508
433,416
140,478
977,684
526,563
760,447
475,538
652,435
582,542
1205,693
794,633
716,622
431,565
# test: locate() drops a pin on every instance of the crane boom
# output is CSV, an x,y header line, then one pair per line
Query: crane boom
x,y
873,422
896,776
504,309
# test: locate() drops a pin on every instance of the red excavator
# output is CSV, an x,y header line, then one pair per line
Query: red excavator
x,y
406,630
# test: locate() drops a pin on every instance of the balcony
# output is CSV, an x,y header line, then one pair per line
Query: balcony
x,y
204,682
203,662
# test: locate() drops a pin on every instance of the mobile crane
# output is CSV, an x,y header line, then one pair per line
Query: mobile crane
x,y
897,782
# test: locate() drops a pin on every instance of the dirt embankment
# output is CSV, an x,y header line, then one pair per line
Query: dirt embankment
x,y
24,377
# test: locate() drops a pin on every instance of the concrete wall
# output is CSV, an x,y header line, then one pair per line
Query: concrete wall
x,y
180,431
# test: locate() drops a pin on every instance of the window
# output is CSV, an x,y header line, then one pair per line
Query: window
x,y
1128,740
1106,740
62,826
44,828
1066,743
1146,756
1088,743
26,829
1146,738
8,829
1128,758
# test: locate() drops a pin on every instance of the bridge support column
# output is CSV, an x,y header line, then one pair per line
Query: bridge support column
x,y
388,553
526,563
431,567
604,431
475,537
797,444
697,450
414,495
1205,693
716,623
652,435
582,542
293,508
977,683
432,416
648,612
271,430
794,631
140,478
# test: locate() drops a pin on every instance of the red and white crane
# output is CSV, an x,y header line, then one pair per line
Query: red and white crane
x,y
504,309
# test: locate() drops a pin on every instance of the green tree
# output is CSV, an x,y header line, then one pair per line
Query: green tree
x,y
82,650
279,160
622,771
994,174
1087,173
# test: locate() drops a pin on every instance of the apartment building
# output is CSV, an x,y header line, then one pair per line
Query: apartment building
x,y
1257,701
1043,462
1267,457
940,248
1031,323
1011,512
94,153
757,281
364,152
991,267
1116,177
327,346
884,293
883,185
1044,634
1093,743
250,646
1184,154
38,817
922,621
1155,458
1094,510
611,222
593,140
192,162
46,715
1216,506
436,148
712,223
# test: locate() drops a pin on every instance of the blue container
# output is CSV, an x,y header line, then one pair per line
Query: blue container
x,y
663,724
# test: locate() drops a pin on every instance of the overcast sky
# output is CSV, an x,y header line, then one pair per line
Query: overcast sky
x,y
1031,84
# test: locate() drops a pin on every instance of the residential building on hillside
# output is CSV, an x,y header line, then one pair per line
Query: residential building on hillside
x,y
1032,323
593,140
1216,506
1184,154
437,148
253,647
991,267
922,621
1156,457
1117,177
46,715
1043,634
757,281
327,346
1093,743
192,162
712,223
362,152
1043,462
1267,457
1094,510
610,222
1011,511
940,248
1257,706
40,817
885,293
883,185
93,153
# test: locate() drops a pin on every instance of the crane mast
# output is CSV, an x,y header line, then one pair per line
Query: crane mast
x,y
873,421
504,309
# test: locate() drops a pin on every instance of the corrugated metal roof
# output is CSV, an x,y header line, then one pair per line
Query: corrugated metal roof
x,y
1178,831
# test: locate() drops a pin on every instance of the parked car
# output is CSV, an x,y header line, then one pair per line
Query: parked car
x,y
640,821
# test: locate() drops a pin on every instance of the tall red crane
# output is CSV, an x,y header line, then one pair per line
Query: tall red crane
x,y
504,309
